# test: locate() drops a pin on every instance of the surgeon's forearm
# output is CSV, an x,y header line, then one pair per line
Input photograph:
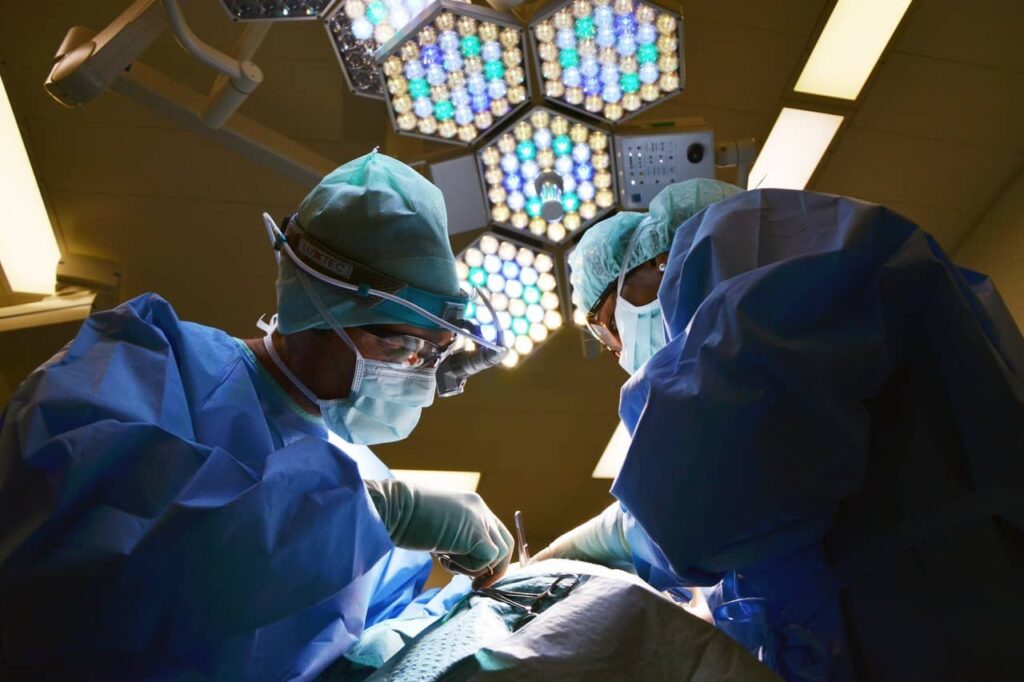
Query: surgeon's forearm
x,y
601,540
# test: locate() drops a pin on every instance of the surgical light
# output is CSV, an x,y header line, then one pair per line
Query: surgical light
x,y
549,174
793,149
614,454
455,72
520,282
849,47
358,28
256,10
28,249
608,58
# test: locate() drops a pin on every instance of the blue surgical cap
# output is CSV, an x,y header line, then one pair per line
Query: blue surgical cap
x,y
380,213
598,258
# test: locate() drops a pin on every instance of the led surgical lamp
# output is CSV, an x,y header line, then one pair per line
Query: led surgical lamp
x,y
395,298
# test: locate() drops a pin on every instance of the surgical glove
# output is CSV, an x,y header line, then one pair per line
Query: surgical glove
x,y
601,540
456,525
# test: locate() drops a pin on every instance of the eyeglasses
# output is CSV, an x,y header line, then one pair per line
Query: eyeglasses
x,y
404,350
605,332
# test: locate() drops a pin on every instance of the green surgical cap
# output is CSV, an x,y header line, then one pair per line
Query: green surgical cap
x,y
598,258
382,214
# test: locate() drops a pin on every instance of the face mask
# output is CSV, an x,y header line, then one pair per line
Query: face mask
x,y
641,331
641,328
384,403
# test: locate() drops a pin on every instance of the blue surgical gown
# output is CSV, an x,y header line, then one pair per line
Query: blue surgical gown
x,y
168,512
836,425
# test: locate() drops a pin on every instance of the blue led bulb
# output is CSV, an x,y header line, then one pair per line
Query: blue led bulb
x,y
476,84
605,37
423,107
590,67
648,73
436,75
571,77
646,34
625,24
491,51
448,41
479,103
565,39
581,152
460,97
414,70
496,89
452,62
515,200
430,54
604,17
609,73
463,115
509,163
585,191
611,93
626,45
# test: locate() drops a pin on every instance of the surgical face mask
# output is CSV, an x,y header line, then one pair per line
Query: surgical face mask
x,y
383,404
641,330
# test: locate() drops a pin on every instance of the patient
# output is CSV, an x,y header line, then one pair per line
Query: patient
x,y
555,619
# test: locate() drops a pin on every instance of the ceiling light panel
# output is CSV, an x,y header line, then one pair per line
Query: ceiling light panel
x,y
549,174
357,28
610,59
793,149
520,282
28,248
455,73
849,47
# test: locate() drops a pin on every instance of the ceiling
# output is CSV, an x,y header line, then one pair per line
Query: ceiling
x,y
937,134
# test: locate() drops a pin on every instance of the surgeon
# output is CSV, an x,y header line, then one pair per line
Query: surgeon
x,y
170,506
830,433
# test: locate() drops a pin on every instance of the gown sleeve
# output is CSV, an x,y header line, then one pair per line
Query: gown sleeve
x,y
121,527
787,313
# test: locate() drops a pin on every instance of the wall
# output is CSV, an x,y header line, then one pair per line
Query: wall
x,y
996,246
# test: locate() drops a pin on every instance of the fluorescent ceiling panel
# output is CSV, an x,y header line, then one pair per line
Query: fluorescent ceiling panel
x,y
793,149
28,249
614,454
461,481
849,47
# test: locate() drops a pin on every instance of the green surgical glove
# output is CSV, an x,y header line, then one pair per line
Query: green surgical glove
x,y
601,540
458,526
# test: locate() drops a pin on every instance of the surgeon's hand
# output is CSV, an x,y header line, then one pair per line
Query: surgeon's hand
x,y
458,526
601,540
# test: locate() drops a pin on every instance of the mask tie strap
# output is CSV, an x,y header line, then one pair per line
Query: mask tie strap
x,y
625,259
268,344
328,317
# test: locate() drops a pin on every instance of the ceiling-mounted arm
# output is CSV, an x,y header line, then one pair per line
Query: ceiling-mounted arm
x,y
241,76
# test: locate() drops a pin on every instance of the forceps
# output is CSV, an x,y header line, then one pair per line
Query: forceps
x,y
524,549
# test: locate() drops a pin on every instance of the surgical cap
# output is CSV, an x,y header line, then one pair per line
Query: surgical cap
x,y
380,213
598,259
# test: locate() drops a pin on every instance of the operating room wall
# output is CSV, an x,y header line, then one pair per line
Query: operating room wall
x,y
996,246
